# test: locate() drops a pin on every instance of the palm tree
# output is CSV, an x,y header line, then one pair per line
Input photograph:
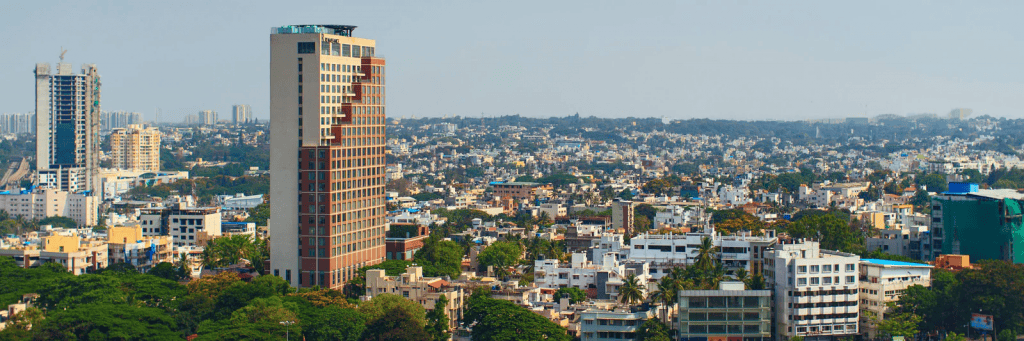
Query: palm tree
x,y
631,292
706,253
757,282
668,289
713,276
742,275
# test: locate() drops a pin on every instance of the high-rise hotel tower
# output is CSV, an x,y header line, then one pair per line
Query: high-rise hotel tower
x,y
326,154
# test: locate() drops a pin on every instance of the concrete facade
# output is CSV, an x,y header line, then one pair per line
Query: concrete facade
x,y
326,132
67,126
135,148
49,202
816,291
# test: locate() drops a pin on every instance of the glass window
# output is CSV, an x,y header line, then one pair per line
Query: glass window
x,y
346,50
815,280
801,269
814,269
802,281
356,49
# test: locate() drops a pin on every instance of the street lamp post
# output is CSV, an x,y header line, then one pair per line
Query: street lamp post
x,y
287,324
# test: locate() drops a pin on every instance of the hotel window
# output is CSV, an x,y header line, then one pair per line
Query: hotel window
x,y
307,47
815,280
802,281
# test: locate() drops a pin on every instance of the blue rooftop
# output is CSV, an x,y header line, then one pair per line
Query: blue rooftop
x,y
895,263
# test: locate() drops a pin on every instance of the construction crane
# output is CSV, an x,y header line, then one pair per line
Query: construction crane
x,y
62,52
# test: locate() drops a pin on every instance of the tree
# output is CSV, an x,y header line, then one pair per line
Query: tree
x,y
935,182
500,255
500,320
955,337
574,294
440,257
899,324
631,291
437,320
105,321
830,230
164,270
333,323
641,223
653,330
668,288
706,254
395,324
383,304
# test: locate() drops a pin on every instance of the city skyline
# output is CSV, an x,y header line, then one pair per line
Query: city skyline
x,y
799,60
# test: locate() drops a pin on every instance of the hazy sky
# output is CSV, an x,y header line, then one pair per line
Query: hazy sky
x,y
718,59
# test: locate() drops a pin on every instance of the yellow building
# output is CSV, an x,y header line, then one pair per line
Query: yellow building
x,y
128,245
75,254
135,148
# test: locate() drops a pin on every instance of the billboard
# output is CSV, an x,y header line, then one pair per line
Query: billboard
x,y
980,321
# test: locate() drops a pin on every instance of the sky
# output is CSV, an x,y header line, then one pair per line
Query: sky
x,y
747,60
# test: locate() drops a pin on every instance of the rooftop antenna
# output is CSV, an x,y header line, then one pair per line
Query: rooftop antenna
x,y
62,52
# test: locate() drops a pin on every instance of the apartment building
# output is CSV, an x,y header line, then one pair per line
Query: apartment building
x,y
667,251
127,244
816,291
423,290
327,133
50,202
731,313
908,241
521,191
77,255
187,226
883,281
604,279
135,148
606,325
241,114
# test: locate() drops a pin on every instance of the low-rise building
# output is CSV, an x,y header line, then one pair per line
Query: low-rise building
x,y
884,281
907,241
50,202
423,290
403,240
186,225
731,312
606,325
77,255
129,245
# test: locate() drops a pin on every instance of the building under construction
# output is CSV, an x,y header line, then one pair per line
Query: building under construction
x,y
981,223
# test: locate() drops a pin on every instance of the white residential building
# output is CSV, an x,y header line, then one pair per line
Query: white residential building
x,y
884,281
816,291
185,225
663,252
50,202
581,273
